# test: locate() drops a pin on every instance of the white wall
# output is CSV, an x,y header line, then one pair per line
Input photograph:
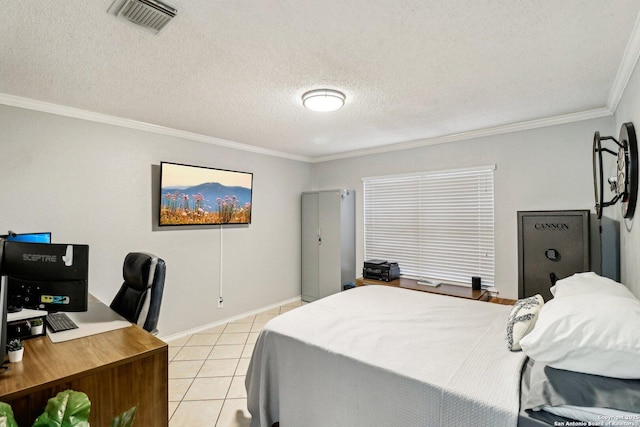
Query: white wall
x,y
93,183
629,111
543,169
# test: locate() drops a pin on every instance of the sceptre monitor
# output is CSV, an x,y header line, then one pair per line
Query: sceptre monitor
x,y
51,277
13,300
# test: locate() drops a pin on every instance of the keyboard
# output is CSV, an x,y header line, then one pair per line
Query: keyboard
x,y
59,322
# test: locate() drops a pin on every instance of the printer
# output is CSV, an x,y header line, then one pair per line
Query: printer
x,y
381,270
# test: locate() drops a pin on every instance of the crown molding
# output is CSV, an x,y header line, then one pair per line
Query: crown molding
x,y
480,133
627,65
61,110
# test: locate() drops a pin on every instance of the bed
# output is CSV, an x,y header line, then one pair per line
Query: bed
x,y
384,356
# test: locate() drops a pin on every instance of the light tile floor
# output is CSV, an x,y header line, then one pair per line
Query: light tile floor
x,y
207,372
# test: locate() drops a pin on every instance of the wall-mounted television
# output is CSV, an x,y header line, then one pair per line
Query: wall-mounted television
x,y
199,195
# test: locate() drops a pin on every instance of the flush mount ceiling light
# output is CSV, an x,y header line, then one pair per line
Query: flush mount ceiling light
x,y
323,100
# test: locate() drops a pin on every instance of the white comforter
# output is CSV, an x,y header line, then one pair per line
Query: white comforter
x,y
382,356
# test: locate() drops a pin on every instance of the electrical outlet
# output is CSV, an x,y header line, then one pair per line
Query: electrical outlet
x,y
220,302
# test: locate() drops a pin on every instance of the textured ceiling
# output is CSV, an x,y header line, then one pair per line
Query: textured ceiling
x,y
235,70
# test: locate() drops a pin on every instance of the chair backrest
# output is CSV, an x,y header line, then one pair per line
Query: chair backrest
x,y
140,296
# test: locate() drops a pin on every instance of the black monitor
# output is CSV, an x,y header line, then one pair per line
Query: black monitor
x,y
14,298
51,277
3,313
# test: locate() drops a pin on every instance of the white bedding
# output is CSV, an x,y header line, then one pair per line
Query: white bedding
x,y
383,356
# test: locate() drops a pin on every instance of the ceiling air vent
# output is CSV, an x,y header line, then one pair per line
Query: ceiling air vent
x,y
151,15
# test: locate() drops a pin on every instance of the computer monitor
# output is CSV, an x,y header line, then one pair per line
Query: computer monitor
x,y
51,277
13,299
3,313
44,237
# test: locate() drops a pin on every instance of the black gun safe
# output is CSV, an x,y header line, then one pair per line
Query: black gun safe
x,y
553,245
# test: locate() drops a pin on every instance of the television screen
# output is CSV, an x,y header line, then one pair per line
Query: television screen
x,y
198,195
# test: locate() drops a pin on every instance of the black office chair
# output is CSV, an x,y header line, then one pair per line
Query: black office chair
x,y
140,296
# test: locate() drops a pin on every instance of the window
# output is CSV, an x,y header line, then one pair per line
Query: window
x,y
436,225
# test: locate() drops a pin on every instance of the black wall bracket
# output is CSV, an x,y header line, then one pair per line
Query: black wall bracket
x,y
625,183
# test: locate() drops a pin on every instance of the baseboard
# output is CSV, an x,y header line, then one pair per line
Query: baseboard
x,y
228,320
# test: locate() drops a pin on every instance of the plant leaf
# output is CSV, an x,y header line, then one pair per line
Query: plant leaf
x,y
6,416
125,419
68,409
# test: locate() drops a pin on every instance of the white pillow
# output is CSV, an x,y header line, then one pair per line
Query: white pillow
x,y
592,333
590,282
522,319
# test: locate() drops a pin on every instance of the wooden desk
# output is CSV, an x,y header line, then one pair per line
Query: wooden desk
x,y
116,369
449,290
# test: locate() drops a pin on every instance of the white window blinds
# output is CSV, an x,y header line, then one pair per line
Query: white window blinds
x,y
435,225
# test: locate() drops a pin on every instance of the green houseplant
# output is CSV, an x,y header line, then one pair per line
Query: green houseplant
x,y
36,322
15,349
68,408
15,345
36,326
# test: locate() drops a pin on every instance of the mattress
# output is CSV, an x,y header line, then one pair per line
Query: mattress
x,y
550,395
384,356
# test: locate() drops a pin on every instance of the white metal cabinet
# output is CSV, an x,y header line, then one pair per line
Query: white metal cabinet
x,y
328,242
